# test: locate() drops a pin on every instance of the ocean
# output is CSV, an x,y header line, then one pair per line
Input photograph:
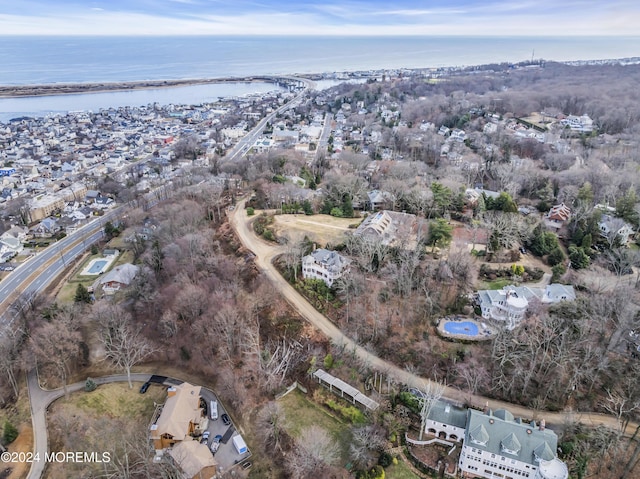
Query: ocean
x,y
41,59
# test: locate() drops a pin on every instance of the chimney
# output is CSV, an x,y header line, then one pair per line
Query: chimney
x,y
314,246
542,425
486,408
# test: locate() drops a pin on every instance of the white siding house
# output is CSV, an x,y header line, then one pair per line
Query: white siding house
x,y
325,265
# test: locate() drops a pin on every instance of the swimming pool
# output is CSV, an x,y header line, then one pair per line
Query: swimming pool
x,y
461,327
97,266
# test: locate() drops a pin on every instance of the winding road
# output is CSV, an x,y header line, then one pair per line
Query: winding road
x,y
264,255
40,401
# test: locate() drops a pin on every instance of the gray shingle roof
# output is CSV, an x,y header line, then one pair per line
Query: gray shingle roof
x,y
491,433
122,274
446,413
330,260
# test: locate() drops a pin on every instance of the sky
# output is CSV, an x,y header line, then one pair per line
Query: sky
x,y
321,17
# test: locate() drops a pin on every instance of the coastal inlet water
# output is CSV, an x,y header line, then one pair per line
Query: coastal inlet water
x,y
183,95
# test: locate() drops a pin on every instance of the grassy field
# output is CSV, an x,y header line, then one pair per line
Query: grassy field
x,y
399,471
117,400
322,229
495,284
97,421
302,413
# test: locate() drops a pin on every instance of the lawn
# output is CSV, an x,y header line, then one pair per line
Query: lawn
x,y
302,413
117,400
98,421
321,229
496,283
400,471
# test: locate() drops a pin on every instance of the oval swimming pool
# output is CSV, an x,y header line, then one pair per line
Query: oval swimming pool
x,y
461,327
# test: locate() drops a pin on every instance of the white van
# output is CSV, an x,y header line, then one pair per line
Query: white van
x,y
213,411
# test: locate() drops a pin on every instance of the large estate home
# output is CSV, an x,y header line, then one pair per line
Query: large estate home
x,y
391,228
325,265
495,444
582,124
509,304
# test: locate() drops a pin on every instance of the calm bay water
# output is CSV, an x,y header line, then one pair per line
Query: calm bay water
x,y
184,95
35,60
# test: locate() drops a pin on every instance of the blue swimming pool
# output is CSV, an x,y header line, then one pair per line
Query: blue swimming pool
x,y
97,266
461,327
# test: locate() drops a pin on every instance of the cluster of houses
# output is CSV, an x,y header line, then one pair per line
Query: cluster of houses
x,y
176,427
494,444
53,163
179,425
611,227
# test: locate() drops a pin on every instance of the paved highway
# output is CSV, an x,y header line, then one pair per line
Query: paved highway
x,y
43,267
246,142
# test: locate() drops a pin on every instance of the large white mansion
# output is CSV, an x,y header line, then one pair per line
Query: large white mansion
x,y
495,445
509,304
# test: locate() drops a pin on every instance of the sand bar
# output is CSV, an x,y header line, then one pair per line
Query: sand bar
x,y
16,91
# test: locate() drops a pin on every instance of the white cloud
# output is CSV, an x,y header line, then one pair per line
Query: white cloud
x,y
333,21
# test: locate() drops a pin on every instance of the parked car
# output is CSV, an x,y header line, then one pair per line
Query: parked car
x,y
246,465
216,443
205,437
144,387
225,419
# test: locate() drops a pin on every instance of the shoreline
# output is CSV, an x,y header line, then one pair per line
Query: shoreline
x,y
54,89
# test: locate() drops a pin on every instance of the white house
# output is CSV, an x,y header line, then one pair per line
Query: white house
x,y
510,304
325,265
582,124
611,225
498,445
446,421
504,305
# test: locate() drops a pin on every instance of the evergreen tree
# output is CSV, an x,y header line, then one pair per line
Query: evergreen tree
x,y
579,259
82,294
440,233
10,433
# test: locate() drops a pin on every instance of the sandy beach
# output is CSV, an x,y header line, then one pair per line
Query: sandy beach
x,y
17,91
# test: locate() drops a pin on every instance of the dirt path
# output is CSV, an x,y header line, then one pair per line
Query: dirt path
x,y
265,253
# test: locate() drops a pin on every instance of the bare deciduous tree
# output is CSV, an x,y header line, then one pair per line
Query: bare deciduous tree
x,y
431,393
123,343
313,453
11,345
272,421
57,343
365,443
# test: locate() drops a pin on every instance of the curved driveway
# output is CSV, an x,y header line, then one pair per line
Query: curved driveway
x,y
40,401
265,252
